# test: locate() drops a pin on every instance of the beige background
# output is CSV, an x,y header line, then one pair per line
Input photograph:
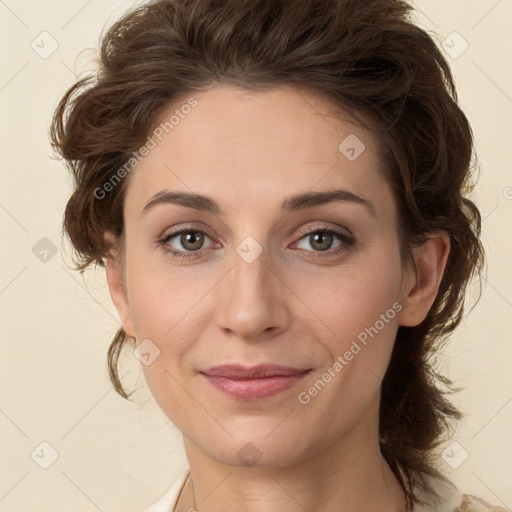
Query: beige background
x,y
117,456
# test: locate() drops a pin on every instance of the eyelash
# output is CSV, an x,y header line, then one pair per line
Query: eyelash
x,y
347,244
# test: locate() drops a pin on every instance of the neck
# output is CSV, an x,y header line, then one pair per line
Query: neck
x,y
349,475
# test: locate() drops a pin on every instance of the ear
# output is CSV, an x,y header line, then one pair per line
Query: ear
x,y
117,287
421,284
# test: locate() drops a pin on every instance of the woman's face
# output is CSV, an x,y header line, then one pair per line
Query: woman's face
x,y
264,278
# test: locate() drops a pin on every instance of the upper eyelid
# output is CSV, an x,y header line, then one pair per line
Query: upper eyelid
x,y
337,230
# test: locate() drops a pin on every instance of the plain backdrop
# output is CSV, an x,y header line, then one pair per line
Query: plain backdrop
x,y
57,407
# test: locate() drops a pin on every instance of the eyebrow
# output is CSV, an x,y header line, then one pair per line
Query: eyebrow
x,y
297,202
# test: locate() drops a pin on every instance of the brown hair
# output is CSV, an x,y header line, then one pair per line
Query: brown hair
x,y
368,58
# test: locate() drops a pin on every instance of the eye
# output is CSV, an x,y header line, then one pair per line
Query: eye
x,y
321,240
191,241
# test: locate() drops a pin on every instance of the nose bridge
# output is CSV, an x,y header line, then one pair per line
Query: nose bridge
x,y
250,301
251,272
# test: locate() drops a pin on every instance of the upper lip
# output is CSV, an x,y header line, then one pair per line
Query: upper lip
x,y
234,371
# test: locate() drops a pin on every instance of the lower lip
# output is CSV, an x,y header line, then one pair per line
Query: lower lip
x,y
255,389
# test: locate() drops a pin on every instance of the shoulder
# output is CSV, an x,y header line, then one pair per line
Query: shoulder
x,y
451,499
470,503
168,501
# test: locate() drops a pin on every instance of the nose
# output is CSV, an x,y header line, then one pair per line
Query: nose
x,y
251,301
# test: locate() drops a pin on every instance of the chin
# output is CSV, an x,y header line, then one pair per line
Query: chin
x,y
256,449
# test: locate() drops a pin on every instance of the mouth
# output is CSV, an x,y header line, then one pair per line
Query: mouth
x,y
256,383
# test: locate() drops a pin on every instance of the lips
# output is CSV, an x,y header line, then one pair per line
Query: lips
x,y
253,383
239,372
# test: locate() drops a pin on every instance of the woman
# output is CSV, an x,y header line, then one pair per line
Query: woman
x,y
277,190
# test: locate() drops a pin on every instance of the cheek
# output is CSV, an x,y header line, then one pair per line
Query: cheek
x,y
163,296
360,314
358,310
354,298
167,316
160,308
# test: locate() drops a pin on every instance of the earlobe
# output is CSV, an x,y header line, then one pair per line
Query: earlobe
x,y
117,289
422,280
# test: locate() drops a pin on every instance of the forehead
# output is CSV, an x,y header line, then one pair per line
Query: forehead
x,y
257,145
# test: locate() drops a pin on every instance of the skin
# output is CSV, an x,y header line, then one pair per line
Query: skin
x,y
250,151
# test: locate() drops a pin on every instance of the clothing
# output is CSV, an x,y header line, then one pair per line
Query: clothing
x,y
168,501
453,499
